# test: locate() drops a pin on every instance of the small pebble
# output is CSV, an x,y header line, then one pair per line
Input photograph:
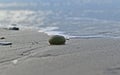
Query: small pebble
x,y
14,61
2,38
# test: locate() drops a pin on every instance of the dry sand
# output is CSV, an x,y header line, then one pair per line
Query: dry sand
x,y
31,54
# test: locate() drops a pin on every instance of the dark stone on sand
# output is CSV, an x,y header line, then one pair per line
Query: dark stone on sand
x,y
57,40
5,43
2,37
13,28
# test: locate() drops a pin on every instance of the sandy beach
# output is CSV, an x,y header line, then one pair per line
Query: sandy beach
x,y
31,54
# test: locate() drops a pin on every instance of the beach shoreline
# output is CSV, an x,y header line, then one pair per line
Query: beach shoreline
x,y
31,54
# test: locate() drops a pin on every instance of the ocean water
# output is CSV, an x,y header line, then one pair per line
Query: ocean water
x,y
71,18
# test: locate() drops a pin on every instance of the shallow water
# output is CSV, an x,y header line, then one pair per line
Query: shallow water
x,y
80,18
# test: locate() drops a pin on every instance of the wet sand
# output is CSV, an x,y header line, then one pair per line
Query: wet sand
x,y
31,54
